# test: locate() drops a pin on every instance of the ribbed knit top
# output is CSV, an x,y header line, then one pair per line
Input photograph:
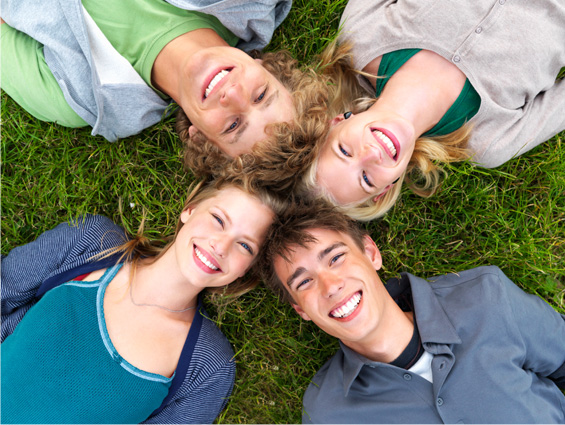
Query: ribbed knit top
x,y
49,365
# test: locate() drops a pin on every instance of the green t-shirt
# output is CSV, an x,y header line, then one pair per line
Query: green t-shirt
x,y
138,30
463,109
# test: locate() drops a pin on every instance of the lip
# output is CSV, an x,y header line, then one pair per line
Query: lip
x,y
352,315
209,257
210,78
392,138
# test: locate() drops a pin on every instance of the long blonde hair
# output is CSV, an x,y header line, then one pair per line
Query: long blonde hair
x,y
423,174
139,246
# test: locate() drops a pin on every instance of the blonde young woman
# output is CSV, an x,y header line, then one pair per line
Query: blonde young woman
x,y
453,81
97,328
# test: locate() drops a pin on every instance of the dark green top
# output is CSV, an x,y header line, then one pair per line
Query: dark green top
x,y
463,109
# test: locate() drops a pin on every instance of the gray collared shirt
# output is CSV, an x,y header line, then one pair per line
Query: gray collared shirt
x,y
498,353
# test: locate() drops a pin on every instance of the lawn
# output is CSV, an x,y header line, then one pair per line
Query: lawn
x,y
512,217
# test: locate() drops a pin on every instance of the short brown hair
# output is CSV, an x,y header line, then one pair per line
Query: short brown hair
x,y
291,229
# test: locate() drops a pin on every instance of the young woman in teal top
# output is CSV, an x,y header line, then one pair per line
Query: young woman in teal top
x,y
94,332
435,66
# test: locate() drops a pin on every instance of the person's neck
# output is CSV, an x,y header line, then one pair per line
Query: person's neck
x,y
161,283
392,338
423,90
172,59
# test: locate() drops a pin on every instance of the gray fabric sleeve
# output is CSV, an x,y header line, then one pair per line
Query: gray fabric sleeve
x,y
63,248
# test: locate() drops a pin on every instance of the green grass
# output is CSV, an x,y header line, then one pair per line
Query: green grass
x,y
513,217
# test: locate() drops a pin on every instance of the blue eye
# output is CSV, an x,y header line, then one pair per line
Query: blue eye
x,y
335,258
366,179
247,247
261,96
233,126
304,282
343,151
219,220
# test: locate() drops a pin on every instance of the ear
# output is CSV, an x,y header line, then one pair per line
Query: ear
x,y
260,61
192,130
187,212
372,252
300,312
337,119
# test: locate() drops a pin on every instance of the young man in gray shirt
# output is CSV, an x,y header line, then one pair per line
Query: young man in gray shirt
x,y
465,347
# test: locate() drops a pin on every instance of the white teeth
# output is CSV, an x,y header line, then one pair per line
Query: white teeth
x,y
386,141
204,259
215,81
348,308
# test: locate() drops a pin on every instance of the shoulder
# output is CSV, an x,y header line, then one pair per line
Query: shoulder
x,y
481,286
325,390
213,346
478,274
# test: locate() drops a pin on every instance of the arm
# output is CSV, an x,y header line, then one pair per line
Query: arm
x,y
28,80
542,330
199,401
58,250
253,22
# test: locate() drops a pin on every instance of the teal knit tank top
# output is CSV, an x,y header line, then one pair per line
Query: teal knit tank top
x,y
60,366
463,109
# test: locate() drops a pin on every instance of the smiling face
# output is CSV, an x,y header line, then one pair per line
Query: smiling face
x,y
230,98
364,155
334,283
220,237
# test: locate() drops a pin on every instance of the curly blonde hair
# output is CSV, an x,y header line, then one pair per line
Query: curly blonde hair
x,y
423,175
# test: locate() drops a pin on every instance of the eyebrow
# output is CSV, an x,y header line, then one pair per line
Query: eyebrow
x,y
329,249
270,100
321,255
264,106
292,277
239,132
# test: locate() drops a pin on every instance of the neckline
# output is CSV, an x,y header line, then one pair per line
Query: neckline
x,y
104,281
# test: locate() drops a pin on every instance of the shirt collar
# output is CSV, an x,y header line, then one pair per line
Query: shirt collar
x,y
433,323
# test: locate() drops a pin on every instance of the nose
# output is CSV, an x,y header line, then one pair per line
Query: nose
x,y
220,246
235,95
331,284
369,155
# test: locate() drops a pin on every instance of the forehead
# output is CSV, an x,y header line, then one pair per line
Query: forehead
x,y
307,255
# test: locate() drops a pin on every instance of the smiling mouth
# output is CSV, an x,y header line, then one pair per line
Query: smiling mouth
x,y
347,308
388,141
215,80
205,260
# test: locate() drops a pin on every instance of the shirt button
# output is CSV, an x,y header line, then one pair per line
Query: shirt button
x,y
439,401
407,376
479,30
501,1
456,58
